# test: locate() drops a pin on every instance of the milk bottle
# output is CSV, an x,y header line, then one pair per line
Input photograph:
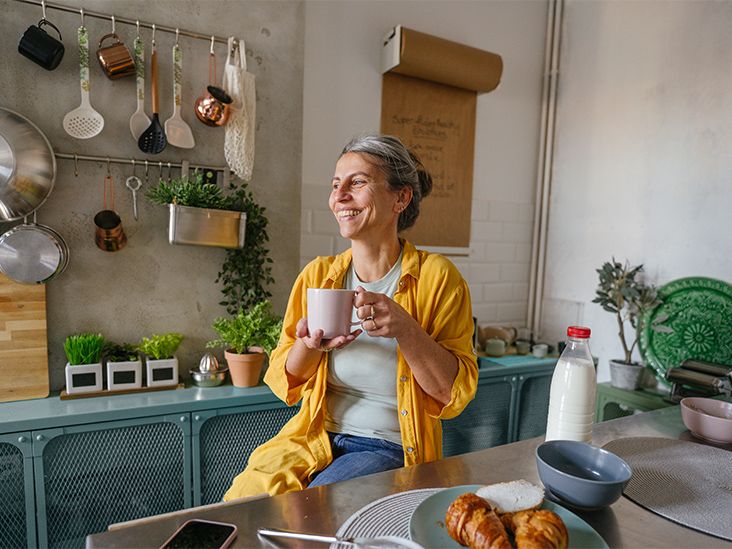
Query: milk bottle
x,y
572,392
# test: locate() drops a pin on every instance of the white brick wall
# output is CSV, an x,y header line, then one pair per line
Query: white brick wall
x,y
497,269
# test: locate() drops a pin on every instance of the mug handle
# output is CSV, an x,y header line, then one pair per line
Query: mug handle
x,y
54,27
110,35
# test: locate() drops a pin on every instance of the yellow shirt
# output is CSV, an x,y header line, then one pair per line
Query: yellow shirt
x,y
430,289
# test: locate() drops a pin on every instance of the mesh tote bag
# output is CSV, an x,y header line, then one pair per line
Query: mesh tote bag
x,y
239,138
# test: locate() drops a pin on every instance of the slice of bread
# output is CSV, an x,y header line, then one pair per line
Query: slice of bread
x,y
510,497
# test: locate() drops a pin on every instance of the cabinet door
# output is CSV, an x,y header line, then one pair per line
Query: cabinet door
x,y
533,405
485,422
17,512
89,476
224,439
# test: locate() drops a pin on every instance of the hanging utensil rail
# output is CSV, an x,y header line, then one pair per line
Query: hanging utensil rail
x,y
135,161
133,22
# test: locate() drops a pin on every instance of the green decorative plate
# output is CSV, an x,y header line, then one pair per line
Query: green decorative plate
x,y
694,320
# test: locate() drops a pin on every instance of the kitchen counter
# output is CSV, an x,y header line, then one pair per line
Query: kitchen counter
x,y
324,509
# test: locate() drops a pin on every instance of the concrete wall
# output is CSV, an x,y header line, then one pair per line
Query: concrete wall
x,y
643,164
342,98
150,286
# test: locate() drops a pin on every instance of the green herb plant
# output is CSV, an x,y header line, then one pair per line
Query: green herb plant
x,y
160,346
245,273
622,293
84,348
120,352
192,192
256,327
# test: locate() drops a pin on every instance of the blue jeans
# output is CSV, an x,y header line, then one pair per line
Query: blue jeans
x,y
357,456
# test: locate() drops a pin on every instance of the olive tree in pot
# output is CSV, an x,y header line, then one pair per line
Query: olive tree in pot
x,y
84,366
161,362
622,293
247,337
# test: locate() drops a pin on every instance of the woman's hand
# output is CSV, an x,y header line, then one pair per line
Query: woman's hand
x,y
316,342
382,316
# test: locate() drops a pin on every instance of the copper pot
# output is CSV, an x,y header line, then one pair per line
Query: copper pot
x,y
213,107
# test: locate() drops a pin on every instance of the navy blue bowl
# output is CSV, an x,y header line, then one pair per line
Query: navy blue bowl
x,y
581,474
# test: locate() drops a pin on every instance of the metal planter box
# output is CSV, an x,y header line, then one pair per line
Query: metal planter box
x,y
205,227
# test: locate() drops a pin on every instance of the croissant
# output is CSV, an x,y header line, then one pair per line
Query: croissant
x,y
471,521
538,529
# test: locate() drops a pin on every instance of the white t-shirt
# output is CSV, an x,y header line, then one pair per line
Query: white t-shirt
x,y
361,393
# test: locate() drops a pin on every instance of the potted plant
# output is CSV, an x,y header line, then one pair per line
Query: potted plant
x,y
124,367
161,364
246,338
622,293
84,366
200,213
247,269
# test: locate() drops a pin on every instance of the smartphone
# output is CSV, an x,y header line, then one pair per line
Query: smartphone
x,y
201,534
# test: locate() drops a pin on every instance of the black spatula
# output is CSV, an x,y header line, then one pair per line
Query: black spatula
x,y
152,140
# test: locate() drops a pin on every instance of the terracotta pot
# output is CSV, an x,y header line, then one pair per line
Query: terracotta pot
x,y
244,369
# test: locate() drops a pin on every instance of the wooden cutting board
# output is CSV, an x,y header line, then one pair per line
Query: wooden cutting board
x,y
23,341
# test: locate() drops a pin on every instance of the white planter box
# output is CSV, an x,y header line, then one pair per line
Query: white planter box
x,y
124,375
83,378
162,372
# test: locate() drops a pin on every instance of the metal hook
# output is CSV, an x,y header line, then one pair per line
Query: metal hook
x,y
133,165
76,165
137,24
113,25
213,38
160,165
153,35
176,36
147,168
81,12
169,170
109,171
43,7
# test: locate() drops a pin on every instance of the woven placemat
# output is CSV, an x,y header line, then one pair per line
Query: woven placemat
x,y
688,483
388,516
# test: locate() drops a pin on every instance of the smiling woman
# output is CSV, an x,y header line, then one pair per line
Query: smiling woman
x,y
372,399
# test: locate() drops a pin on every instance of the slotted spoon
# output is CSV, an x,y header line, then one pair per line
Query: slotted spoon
x,y
152,140
83,122
139,121
178,133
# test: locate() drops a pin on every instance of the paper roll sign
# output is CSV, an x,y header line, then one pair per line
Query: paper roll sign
x,y
428,57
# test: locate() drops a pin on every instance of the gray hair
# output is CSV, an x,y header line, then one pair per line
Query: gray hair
x,y
401,167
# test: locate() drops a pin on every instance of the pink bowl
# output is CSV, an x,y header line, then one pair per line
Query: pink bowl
x,y
708,418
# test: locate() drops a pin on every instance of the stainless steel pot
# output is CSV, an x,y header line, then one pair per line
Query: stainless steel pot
x,y
32,254
27,166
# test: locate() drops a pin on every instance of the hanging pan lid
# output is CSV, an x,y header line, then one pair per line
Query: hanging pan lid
x,y
27,166
32,254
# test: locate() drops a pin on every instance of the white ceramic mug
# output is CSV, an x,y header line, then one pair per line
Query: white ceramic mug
x,y
540,350
330,310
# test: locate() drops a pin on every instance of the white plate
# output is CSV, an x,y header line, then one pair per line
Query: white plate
x,y
427,525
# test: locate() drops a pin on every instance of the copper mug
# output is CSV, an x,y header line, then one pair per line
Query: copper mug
x,y
214,107
115,59
109,235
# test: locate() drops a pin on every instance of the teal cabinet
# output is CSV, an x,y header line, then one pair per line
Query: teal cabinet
x,y
613,402
89,476
510,404
17,510
70,468
223,440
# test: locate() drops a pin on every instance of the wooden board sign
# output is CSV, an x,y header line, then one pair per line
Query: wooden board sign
x,y
436,122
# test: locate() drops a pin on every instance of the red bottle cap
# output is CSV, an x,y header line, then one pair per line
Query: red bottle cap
x,y
578,331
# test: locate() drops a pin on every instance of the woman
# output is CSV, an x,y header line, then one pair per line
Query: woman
x,y
371,400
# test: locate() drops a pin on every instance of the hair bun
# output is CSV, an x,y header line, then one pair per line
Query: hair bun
x,y
425,182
